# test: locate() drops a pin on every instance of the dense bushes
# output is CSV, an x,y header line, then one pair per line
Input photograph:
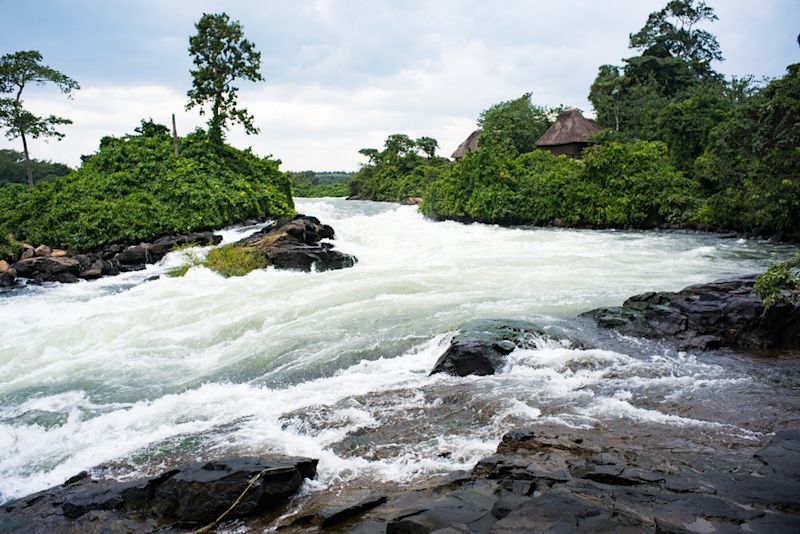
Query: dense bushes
x,y
399,171
616,184
135,188
752,165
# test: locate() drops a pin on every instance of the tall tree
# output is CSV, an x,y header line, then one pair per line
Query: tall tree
x,y
17,71
221,55
673,32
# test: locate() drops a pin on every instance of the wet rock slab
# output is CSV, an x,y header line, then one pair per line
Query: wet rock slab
x,y
571,481
191,495
726,313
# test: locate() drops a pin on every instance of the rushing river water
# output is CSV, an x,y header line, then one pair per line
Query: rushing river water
x,y
134,373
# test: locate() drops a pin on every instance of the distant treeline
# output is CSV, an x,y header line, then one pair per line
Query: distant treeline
x,y
12,168
320,183
681,145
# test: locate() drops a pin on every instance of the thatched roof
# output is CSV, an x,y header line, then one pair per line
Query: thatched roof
x,y
570,127
469,144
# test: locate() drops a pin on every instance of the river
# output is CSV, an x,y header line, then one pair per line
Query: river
x,y
138,371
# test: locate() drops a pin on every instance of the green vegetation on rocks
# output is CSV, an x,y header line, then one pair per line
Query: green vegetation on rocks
x,y
780,283
135,188
234,260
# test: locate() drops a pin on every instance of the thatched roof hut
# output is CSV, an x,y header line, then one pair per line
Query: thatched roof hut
x,y
470,144
569,135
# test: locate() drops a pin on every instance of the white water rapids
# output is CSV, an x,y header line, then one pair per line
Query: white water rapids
x,y
135,373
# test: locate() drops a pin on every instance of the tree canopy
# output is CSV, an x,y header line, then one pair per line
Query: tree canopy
x,y
18,71
221,55
516,124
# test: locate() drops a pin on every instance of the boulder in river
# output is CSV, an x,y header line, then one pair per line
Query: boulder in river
x,y
190,495
481,346
296,244
726,313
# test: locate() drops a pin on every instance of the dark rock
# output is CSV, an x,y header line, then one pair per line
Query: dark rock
x,y
199,493
349,506
470,505
726,313
95,270
295,244
48,269
163,245
8,278
193,494
561,511
134,255
481,346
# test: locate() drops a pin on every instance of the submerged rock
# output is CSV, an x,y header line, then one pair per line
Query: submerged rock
x,y
726,313
296,244
481,346
189,495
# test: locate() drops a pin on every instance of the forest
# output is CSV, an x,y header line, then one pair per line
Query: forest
x,y
681,146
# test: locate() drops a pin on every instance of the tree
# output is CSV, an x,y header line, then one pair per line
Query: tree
x,y
221,54
605,95
672,32
517,124
17,71
428,145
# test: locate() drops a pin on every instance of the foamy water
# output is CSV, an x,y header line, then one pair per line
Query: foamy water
x,y
335,365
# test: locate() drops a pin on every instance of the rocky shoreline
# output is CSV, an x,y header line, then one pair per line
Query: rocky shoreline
x,y
547,478
286,244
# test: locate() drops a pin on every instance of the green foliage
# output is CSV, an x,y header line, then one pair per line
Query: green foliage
x,y
399,171
635,185
234,260
17,71
672,32
780,283
311,184
12,168
517,124
632,185
221,54
135,188
672,79
750,166
8,246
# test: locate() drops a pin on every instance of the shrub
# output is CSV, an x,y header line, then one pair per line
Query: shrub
x,y
134,188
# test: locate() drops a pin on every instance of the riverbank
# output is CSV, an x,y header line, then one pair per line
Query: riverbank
x,y
284,244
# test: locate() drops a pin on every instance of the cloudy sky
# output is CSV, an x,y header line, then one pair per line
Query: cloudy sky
x,y
342,75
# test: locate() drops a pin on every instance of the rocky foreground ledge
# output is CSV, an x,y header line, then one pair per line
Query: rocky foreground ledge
x,y
187,497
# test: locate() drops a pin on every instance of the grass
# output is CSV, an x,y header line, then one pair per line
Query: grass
x,y
179,271
233,260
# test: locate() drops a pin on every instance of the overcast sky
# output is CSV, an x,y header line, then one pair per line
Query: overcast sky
x,y
342,75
